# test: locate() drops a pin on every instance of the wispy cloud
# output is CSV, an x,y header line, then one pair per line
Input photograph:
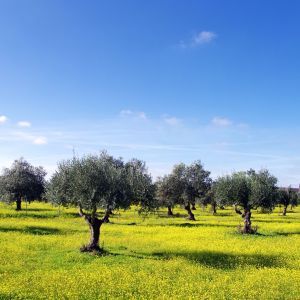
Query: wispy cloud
x,y
33,138
142,115
126,112
222,144
3,119
200,38
221,122
133,114
172,121
24,124
204,37
41,140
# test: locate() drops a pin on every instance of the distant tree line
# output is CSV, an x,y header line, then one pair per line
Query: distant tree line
x,y
100,184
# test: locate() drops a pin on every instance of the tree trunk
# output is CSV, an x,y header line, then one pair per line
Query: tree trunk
x,y
247,221
193,206
94,224
214,208
170,213
108,212
284,210
191,215
18,202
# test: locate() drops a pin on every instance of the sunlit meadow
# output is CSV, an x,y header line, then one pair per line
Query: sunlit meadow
x,y
148,257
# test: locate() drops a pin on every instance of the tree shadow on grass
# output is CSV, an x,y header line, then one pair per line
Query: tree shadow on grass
x,y
71,214
221,260
191,225
29,209
212,259
34,230
39,214
184,225
175,215
37,230
221,214
286,233
23,214
266,235
273,221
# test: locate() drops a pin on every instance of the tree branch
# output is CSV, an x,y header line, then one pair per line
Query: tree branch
x,y
237,210
105,219
94,210
81,213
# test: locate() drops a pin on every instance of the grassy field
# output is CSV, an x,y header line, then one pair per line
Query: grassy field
x,y
155,257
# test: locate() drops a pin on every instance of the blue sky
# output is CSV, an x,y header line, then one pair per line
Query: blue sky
x,y
164,81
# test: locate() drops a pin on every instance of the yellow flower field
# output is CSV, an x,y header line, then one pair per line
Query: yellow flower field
x,y
148,257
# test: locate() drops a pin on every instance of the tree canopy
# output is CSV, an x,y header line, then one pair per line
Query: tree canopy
x,y
249,190
287,197
185,185
101,182
22,181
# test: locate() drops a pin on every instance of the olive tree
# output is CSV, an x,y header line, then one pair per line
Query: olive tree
x,y
185,185
196,183
210,199
263,189
22,181
235,189
249,190
294,200
168,192
100,182
287,197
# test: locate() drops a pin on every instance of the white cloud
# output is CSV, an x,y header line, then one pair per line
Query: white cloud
x,y
173,121
32,138
41,140
201,38
126,112
3,119
134,114
142,115
221,122
159,145
204,37
24,124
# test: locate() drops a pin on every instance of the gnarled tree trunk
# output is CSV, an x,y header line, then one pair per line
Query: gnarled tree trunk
x,y
193,206
247,221
19,203
284,210
94,225
191,215
170,213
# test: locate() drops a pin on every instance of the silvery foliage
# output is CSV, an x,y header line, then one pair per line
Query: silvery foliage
x,y
248,189
287,197
101,181
185,184
22,180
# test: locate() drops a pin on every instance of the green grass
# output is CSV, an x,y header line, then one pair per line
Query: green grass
x,y
148,258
